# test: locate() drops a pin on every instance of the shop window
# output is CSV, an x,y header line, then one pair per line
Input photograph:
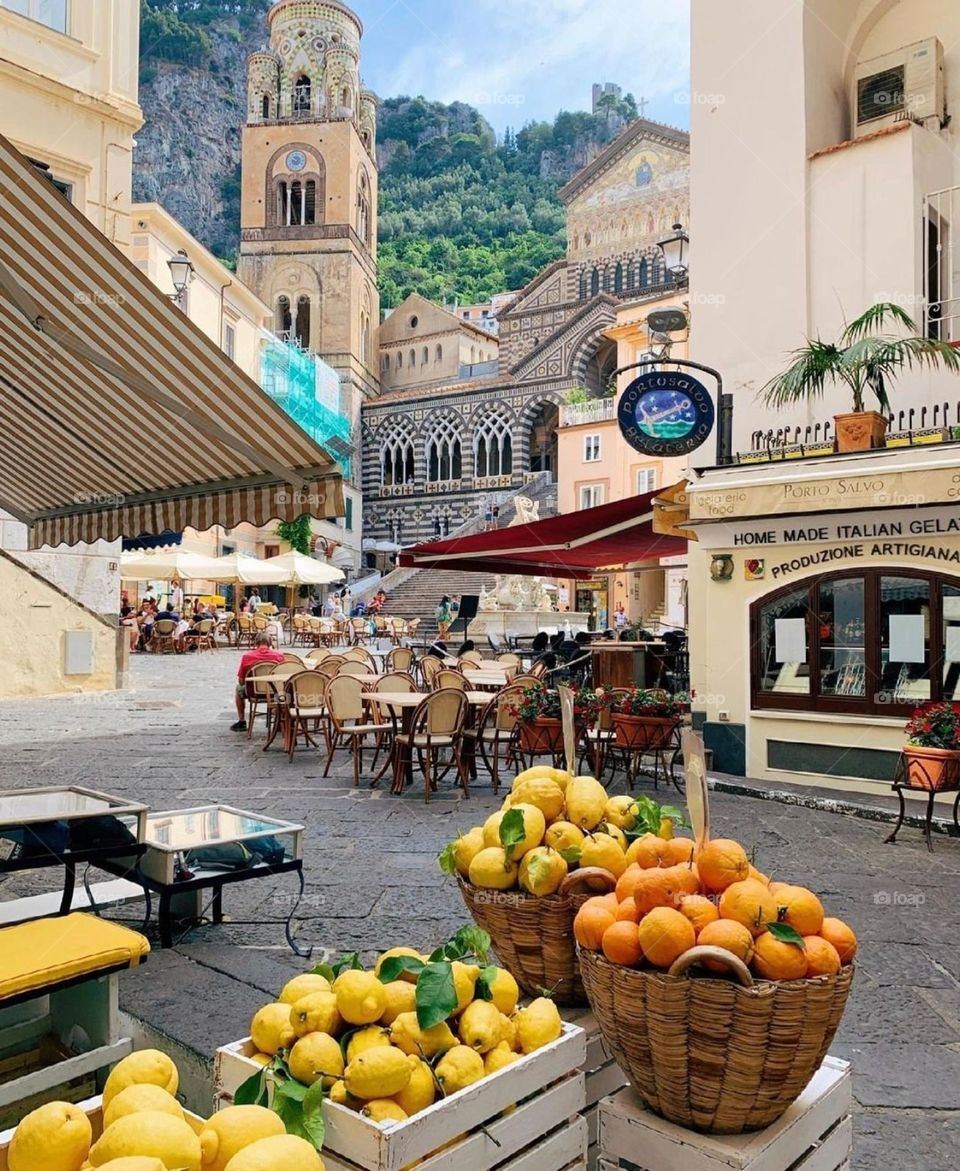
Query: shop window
x,y
348,513
870,643
591,448
230,340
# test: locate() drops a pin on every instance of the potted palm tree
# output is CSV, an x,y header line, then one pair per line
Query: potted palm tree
x,y
865,360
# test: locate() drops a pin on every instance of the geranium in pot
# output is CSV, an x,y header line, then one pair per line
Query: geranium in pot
x,y
539,717
932,752
863,359
644,718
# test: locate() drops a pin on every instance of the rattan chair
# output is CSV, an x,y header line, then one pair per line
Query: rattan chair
x,y
438,725
429,666
359,631
329,666
318,654
290,657
448,677
163,637
359,654
206,639
349,722
261,695
509,659
354,667
598,740
300,631
401,658
305,704
474,658
496,732
245,630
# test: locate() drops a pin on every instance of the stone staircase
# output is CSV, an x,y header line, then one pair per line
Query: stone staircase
x,y
416,593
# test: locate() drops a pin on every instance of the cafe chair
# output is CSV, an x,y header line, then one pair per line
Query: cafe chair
x,y
206,639
304,706
350,723
261,696
429,666
401,658
495,734
163,640
448,677
474,658
290,657
317,654
245,630
354,667
437,726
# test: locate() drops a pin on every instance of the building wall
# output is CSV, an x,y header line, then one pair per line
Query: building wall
x,y
422,344
33,625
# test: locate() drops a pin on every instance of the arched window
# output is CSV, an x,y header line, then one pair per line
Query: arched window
x,y
345,98
644,274
295,217
413,359
385,362
473,355
301,95
282,203
595,282
303,322
310,201
425,356
397,462
363,208
618,279
438,357
493,445
584,285
444,452
265,106
364,338
399,359
282,319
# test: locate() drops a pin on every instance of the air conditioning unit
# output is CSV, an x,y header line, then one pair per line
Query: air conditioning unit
x,y
905,84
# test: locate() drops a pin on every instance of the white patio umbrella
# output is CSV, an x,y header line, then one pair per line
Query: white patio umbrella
x,y
302,570
167,564
246,571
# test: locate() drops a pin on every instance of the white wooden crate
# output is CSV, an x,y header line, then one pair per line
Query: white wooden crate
x,y
815,1134
93,1108
544,1133
602,1075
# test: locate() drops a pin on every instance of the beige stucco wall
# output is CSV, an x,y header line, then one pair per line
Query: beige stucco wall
x,y
33,622
460,344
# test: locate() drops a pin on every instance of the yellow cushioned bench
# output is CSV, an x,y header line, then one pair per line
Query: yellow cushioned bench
x,y
44,952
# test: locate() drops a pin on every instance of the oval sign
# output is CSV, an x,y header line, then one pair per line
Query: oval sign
x,y
665,413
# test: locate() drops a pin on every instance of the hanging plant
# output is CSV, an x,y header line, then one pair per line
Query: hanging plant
x,y
297,533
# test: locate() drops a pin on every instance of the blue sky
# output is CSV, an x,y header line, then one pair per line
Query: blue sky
x,y
524,60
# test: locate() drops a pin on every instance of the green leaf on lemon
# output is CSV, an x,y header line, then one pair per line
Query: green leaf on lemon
x,y
512,831
436,994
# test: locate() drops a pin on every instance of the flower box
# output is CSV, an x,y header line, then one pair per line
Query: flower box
x,y
642,733
932,769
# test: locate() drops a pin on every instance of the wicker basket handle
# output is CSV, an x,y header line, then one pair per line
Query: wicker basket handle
x,y
594,877
707,952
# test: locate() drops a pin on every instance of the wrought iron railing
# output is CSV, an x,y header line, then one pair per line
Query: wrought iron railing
x,y
596,411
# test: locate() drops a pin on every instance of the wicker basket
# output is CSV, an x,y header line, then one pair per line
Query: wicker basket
x,y
533,936
709,1053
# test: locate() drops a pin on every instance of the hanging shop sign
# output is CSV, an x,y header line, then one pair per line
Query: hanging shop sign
x,y
666,413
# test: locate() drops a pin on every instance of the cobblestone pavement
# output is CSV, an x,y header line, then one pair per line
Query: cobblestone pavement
x,y
372,882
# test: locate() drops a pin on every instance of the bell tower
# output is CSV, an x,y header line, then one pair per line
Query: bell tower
x,y
308,220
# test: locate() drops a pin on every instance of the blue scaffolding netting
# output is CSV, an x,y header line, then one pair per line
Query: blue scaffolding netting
x,y
309,391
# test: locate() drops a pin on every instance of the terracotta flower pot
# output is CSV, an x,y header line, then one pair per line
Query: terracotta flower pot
x,y
860,430
644,733
541,735
932,768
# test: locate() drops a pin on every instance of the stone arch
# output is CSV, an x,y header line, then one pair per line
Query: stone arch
x,y
492,441
364,216
294,281
396,443
279,182
443,447
535,434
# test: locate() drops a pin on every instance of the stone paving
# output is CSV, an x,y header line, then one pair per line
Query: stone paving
x,y
372,882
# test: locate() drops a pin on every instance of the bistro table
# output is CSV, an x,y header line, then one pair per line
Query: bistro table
x,y
209,847
69,826
402,705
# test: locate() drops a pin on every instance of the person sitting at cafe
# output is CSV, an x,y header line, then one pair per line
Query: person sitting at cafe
x,y
464,647
262,652
188,633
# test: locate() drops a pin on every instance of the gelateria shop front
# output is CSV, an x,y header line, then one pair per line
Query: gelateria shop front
x,y
824,601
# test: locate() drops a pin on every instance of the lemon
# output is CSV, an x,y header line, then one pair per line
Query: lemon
x,y
280,1152
621,812
665,830
586,801
490,869
541,792
499,1057
263,1059
271,1029
465,847
54,1137
604,851
538,1024
508,1032
379,1073
464,982
410,977
617,834
420,1091
561,777
504,991
338,1093
141,1097
400,997
315,1013
491,827
301,986
479,1025
541,871
169,1139
563,835
131,1163
460,1067
367,1038
407,1035
360,997
315,1056
146,1065
232,1129
534,827
381,1110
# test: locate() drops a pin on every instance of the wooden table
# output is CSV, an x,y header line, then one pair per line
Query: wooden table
x,y
406,703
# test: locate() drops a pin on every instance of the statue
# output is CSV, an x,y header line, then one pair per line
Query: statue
x,y
488,600
527,511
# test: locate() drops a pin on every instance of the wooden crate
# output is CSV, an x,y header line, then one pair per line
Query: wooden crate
x,y
92,1107
815,1134
602,1076
526,1117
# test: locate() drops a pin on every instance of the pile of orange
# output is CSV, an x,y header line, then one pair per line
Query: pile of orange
x,y
673,896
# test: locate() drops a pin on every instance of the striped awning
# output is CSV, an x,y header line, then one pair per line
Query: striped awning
x,y
119,416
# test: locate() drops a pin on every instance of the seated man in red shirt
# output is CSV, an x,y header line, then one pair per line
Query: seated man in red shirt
x,y
262,652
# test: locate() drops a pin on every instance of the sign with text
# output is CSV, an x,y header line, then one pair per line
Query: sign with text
x,y
665,413
816,530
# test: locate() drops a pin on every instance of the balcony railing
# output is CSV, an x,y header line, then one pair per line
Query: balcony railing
x,y
941,255
598,410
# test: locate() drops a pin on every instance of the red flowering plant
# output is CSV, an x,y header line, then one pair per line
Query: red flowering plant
x,y
641,701
935,725
541,702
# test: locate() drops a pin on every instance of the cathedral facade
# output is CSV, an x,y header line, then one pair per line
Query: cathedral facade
x,y
436,455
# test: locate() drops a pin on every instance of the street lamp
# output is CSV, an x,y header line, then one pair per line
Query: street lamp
x,y
676,252
182,273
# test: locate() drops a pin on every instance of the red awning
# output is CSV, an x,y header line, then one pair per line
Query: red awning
x,y
577,545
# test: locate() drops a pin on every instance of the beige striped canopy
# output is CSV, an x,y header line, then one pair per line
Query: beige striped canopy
x,y
119,416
